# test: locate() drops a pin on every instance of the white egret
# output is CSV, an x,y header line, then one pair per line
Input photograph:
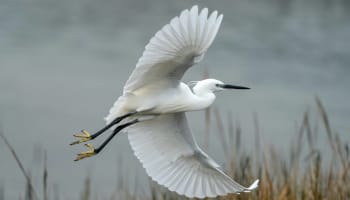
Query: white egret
x,y
153,107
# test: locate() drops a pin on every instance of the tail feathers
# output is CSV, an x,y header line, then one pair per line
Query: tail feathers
x,y
116,110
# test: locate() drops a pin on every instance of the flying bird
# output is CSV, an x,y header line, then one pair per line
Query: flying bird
x,y
153,105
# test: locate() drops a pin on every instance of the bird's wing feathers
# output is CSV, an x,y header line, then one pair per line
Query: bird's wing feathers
x,y
175,48
171,157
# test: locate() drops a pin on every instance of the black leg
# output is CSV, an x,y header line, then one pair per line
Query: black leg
x,y
114,122
85,136
116,130
92,151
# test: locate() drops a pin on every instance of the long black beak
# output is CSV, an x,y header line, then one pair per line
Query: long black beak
x,y
238,87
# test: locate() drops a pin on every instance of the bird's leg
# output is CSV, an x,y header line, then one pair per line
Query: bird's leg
x,y
85,136
92,151
116,130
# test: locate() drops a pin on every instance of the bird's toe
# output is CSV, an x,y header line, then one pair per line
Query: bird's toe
x,y
83,136
86,154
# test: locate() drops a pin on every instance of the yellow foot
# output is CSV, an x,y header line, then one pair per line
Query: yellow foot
x,y
86,154
84,136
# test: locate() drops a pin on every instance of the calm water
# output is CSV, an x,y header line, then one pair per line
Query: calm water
x,y
63,63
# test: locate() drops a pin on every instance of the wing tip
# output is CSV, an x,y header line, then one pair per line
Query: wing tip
x,y
253,186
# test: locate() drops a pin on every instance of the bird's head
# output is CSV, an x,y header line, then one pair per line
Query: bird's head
x,y
213,85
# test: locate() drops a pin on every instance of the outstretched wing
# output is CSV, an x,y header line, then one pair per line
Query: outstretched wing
x,y
175,48
171,157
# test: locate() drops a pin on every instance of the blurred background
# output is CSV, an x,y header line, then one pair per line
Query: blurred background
x,y
63,64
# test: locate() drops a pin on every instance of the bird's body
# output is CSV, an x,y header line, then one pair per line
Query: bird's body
x,y
150,100
154,102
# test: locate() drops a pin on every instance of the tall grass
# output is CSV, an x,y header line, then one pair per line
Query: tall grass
x,y
306,173
30,191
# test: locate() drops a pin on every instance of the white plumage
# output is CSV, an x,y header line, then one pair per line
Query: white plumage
x,y
164,144
171,157
175,48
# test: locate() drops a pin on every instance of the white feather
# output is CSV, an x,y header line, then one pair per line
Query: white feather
x,y
164,145
173,49
171,157
175,46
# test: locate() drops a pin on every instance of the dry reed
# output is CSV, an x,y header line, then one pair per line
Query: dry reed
x,y
306,174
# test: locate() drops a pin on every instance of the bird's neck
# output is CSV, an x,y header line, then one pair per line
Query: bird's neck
x,y
204,98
